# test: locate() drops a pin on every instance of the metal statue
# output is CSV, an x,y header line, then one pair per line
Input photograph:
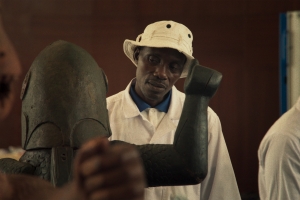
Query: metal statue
x,y
64,105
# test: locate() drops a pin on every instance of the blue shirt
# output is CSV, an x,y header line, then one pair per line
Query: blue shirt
x,y
142,105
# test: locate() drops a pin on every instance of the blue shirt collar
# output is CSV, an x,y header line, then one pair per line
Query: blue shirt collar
x,y
142,105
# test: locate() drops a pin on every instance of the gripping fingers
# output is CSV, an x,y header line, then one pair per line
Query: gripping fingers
x,y
86,152
91,166
132,191
120,175
126,174
113,157
91,148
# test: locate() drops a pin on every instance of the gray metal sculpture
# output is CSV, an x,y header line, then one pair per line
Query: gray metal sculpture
x,y
63,105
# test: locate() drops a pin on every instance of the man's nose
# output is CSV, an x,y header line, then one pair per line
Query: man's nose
x,y
161,72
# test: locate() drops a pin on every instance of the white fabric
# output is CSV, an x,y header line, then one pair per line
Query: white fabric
x,y
153,116
279,158
129,125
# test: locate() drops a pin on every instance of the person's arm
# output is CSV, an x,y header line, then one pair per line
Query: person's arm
x,y
101,171
108,172
22,187
282,168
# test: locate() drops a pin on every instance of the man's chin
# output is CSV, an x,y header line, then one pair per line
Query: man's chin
x,y
154,98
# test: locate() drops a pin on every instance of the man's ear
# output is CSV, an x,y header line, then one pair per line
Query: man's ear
x,y
136,54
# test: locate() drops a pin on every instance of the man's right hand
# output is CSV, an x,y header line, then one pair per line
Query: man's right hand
x,y
104,171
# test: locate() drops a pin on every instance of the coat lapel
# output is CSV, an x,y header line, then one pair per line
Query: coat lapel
x,y
170,121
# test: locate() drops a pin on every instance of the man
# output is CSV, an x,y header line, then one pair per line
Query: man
x,y
278,154
148,110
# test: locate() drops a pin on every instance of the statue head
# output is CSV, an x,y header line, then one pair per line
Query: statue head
x,y
63,99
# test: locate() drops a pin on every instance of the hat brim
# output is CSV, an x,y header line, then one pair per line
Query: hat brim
x,y
130,45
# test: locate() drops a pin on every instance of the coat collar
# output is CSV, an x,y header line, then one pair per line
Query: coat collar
x,y
131,110
142,105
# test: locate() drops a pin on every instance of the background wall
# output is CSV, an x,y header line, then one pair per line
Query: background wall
x,y
239,38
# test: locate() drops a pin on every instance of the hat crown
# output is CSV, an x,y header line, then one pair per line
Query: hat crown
x,y
169,31
164,34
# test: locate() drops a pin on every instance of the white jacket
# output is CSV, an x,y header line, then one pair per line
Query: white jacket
x,y
127,124
279,158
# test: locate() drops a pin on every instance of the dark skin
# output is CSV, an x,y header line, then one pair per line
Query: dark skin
x,y
101,171
104,171
158,69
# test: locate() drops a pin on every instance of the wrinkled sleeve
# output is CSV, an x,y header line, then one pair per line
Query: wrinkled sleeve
x,y
281,165
220,182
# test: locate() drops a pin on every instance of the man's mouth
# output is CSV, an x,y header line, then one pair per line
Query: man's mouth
x,y
157,84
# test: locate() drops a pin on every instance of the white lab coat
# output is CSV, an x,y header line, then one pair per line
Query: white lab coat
x,y
279,158
127,124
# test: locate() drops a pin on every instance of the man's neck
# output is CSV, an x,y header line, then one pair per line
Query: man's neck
x,y
142,104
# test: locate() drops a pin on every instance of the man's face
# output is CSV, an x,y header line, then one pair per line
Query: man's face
x,y
158,69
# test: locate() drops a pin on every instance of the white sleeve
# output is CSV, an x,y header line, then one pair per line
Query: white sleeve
x,y
220,182
282,169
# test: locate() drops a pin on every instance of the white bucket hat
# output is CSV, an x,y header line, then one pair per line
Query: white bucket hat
x,y
164,34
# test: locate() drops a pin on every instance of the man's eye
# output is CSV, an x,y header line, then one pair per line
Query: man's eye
x,y
174,66
153,60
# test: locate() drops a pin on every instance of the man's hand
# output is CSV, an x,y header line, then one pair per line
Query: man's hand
x,y
101,171
104,171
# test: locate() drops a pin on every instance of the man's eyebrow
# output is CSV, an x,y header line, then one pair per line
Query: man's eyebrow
x,y
177,59
154,54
